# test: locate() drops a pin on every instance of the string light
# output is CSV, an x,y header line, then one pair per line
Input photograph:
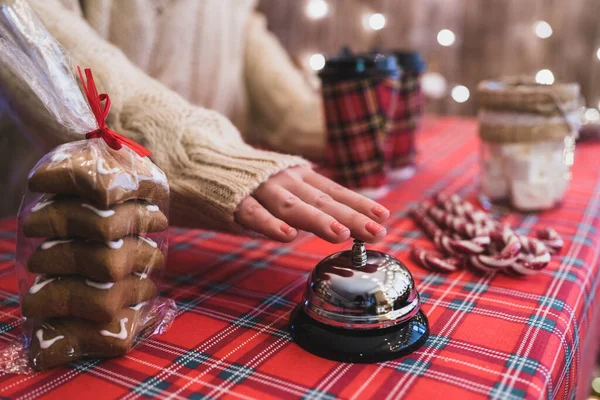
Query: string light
x,y
317,9
317,62
446,37
376,21
433,85
544,77
542,29
460,93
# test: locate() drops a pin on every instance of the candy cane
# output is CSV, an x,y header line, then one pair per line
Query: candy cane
x,y
443,243
551,239
450,242
420,216
476,263
534,256
454,204
477,245
507,256
509,240
434,262
474,238
457,224
453,246
457,206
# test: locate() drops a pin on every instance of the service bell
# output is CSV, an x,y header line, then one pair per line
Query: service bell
x,y
360,306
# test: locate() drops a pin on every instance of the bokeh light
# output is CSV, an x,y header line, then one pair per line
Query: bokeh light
x,y
460,93
591,115
544,77
317,9
446,37
317,61
434,85
542,29
376,21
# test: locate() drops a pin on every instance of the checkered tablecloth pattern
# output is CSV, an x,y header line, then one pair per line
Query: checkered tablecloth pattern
x,y
491,336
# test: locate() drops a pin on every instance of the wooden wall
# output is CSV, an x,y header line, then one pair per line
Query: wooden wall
x,y
494,37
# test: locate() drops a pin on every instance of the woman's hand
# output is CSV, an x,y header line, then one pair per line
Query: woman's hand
x,y
299,198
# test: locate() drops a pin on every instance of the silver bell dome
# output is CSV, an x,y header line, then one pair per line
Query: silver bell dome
x,y
361,289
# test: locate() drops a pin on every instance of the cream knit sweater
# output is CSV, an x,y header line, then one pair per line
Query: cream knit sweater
x,y
216,53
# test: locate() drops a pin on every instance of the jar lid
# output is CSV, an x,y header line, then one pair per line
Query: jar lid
x,y
361,289
523,94
525,133
519,110
349,66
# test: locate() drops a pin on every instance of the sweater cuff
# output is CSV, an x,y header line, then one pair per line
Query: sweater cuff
x,y
210,191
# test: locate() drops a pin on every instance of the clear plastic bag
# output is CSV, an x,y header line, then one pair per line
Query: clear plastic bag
x,y
92,228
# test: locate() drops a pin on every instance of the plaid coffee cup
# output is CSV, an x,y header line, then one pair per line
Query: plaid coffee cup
x,y
400,149
359,96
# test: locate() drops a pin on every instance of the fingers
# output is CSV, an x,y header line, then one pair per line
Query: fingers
x,y
348,197
252,215
291,209
361,226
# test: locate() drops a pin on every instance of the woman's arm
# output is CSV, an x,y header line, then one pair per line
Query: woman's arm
x,y
286,112
216,179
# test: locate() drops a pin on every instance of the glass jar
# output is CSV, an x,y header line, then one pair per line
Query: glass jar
x,y
528,134
529,176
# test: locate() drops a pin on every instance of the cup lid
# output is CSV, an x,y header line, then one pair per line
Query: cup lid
x,y
361,289
348,65
410,60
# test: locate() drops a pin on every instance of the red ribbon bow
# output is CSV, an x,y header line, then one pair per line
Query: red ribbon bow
x,y
113,139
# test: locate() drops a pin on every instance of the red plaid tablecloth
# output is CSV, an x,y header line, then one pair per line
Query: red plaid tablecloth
x,y
491,336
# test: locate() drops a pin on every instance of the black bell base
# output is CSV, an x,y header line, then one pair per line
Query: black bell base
x,y
356,345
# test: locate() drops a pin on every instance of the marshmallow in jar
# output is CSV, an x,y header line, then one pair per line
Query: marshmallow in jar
x,y
528,136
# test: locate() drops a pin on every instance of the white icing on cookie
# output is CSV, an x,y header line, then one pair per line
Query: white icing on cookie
x,y
44,344
38,284
115,244
152,208
51,243
41,205
103,170
60,156
149,241
99,285
122,333
138,305
158,176
102,213
141,275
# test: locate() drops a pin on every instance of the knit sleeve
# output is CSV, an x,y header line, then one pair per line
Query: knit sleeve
x,y
210,168
287,113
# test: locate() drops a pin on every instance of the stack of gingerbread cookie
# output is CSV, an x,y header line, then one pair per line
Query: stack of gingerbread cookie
x,y
95,264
